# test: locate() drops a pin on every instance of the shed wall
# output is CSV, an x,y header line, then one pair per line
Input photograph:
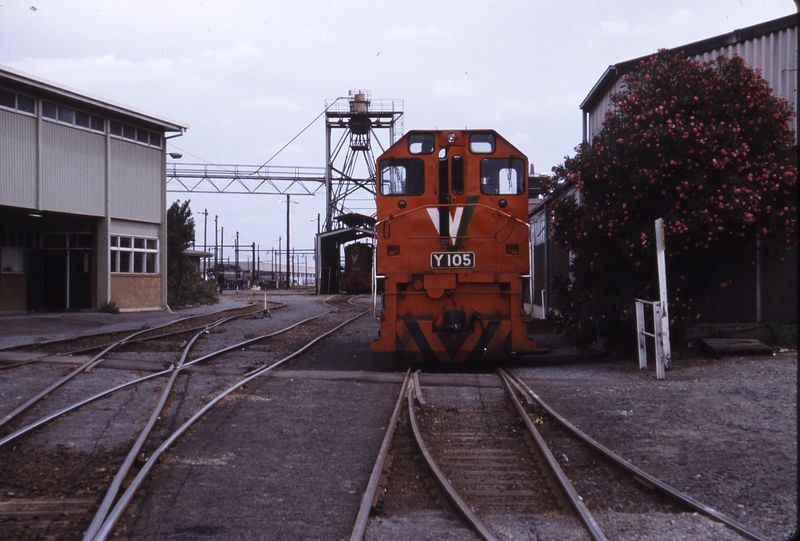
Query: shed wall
x,y
73,170
17,160
139,229
775,55
136,181
597,114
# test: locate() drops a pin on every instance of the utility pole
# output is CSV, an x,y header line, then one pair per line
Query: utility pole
x,y
278,284
288,244
205,233
216,245
236,260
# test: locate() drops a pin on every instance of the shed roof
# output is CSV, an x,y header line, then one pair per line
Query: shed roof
x,y
615,71
45,87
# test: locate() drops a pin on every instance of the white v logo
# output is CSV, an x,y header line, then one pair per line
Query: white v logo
x,y
455,222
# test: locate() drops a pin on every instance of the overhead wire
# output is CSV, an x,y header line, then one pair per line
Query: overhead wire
x,y
298,135
279,151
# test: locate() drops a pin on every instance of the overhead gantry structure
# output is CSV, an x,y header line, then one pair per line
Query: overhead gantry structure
x,y
356,128
244,179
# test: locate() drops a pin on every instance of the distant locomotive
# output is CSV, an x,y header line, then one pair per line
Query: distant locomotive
x,y
357,275
453,247
228,276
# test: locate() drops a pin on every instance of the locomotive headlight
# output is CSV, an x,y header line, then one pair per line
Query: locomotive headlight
x,y
401,204
503,203
451,138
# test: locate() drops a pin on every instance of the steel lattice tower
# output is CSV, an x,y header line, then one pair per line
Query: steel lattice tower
x,y
356,128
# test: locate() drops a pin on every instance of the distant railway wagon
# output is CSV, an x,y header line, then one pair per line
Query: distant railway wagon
x,y
356,278
453,247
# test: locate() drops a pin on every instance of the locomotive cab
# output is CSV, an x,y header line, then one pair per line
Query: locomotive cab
x,y
452,247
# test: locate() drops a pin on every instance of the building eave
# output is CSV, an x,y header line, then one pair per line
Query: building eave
x,y
43,87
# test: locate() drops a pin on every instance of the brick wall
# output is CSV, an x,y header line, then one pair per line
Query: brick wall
x,y
13,292
136,290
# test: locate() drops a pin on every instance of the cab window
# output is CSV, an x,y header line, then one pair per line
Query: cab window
x,y
502,176
420,143
482,143
402,176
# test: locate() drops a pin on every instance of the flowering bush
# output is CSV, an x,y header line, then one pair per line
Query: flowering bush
x,y
705,146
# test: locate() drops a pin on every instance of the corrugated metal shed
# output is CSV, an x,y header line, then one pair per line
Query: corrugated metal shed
x,y
72,163
770,47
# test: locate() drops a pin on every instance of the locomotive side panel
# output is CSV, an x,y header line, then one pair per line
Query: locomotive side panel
x,y
452,246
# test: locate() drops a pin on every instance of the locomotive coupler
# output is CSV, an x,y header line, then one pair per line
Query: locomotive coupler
x,y
454,320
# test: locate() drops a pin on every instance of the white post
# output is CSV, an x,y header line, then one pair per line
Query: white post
x,y
662,323
659,340
642,337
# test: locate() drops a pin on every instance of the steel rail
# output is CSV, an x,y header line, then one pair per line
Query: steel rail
x,y
640,474
159,326
563,482
215,323
5,419
24,430
183,331
368,498
127,496
44,420
116,483
91,363
448,489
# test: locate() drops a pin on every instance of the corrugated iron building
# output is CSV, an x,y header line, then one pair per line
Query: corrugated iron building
x,y
82,199
770,47
771,294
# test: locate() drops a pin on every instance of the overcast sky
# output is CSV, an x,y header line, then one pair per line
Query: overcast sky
x,y
248,75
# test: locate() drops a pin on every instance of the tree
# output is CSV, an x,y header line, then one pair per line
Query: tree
x,y
184,283
706,147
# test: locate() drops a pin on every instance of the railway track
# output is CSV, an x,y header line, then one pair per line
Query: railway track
x,y
106,343
505,461
44,349
103,483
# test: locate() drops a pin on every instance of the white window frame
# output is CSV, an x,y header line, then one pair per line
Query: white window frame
x,y
127,244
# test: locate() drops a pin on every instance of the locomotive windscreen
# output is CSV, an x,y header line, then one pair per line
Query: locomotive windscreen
x,y
402,176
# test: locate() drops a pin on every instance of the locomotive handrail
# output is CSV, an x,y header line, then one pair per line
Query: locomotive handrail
x,y
402,213
529,313
375,283
509,222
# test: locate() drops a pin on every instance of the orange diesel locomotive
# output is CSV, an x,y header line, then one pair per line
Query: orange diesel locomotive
x,y
453,247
